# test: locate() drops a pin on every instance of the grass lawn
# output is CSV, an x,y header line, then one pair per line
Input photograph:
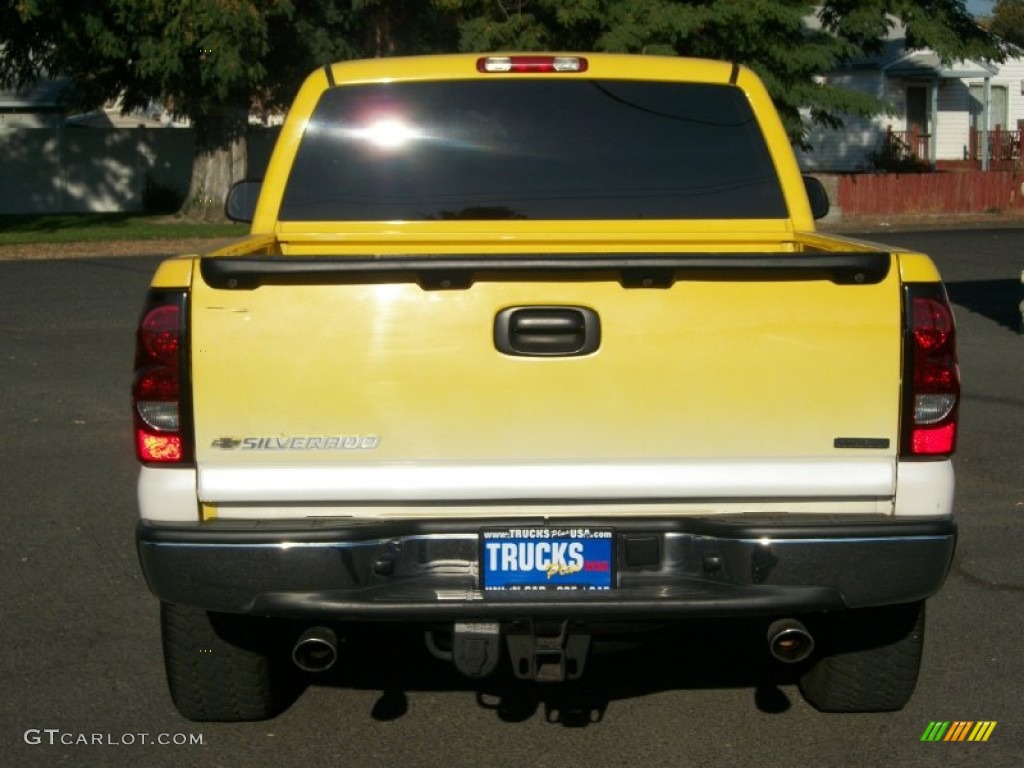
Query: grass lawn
x,y
95,227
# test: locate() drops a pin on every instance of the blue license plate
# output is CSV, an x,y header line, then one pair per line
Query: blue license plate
x,y
546,559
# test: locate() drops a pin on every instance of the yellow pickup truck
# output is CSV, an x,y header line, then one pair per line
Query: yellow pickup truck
x,y
526,348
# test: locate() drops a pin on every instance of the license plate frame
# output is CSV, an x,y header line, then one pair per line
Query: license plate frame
x,y
547,559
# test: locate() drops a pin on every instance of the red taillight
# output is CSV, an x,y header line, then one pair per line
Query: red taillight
x,y
157,383
497,64
163,449
938,440
159,333
157,388
931,376
933,323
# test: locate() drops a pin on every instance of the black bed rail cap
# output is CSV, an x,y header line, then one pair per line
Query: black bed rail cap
x,y
644,270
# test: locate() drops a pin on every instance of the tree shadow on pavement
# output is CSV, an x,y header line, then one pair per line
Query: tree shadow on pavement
x,y
726,654
998,300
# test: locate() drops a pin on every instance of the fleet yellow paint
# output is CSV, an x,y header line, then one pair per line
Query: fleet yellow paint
x,y
706,368
917,268
174,273
463,67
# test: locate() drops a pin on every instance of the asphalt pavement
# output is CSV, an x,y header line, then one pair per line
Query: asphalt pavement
x,y
81,678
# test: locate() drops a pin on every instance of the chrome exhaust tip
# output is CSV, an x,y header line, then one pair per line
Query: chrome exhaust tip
x,y
789,641
316,650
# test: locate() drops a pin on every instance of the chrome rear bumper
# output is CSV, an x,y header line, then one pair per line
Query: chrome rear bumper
x,y
429,570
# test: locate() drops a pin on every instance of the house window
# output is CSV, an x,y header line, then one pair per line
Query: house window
x,y
997,104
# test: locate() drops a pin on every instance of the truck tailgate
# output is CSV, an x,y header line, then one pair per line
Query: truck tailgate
x,y
382,388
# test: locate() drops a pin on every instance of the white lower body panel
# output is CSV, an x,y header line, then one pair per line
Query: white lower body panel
x,y
428,482
168,493
925,488
862,486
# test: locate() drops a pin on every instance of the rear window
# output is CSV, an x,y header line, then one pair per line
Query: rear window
x,y
532,149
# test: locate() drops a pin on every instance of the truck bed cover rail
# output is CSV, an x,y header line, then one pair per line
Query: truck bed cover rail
x,y
647,270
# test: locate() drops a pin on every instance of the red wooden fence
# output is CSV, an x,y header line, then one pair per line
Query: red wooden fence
x,y
931,193
907,145
1003,145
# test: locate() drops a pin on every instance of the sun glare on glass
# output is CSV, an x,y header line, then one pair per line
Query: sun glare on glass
x,y
388,134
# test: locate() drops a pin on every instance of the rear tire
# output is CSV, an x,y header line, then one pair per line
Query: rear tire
x,y
220,666
870,660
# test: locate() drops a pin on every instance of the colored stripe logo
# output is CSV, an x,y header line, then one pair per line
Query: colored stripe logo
x,y
959,730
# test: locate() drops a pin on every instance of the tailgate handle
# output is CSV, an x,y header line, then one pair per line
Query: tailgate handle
x,y
547,331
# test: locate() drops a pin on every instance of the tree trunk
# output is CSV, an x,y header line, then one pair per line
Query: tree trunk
x,y
219,161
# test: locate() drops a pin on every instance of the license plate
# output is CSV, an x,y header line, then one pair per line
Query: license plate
x,y
546,559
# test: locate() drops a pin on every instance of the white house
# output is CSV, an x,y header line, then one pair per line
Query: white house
x,y
938,115
38,105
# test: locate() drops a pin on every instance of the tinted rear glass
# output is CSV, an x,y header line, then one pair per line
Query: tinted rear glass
x,y
532,149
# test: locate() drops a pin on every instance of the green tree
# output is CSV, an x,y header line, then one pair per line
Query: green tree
x,y
1007,21
773,37
404,27
211,61
214,61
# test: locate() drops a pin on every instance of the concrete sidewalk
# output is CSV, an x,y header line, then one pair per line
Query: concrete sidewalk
x,y
171,247
924,221
876,226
